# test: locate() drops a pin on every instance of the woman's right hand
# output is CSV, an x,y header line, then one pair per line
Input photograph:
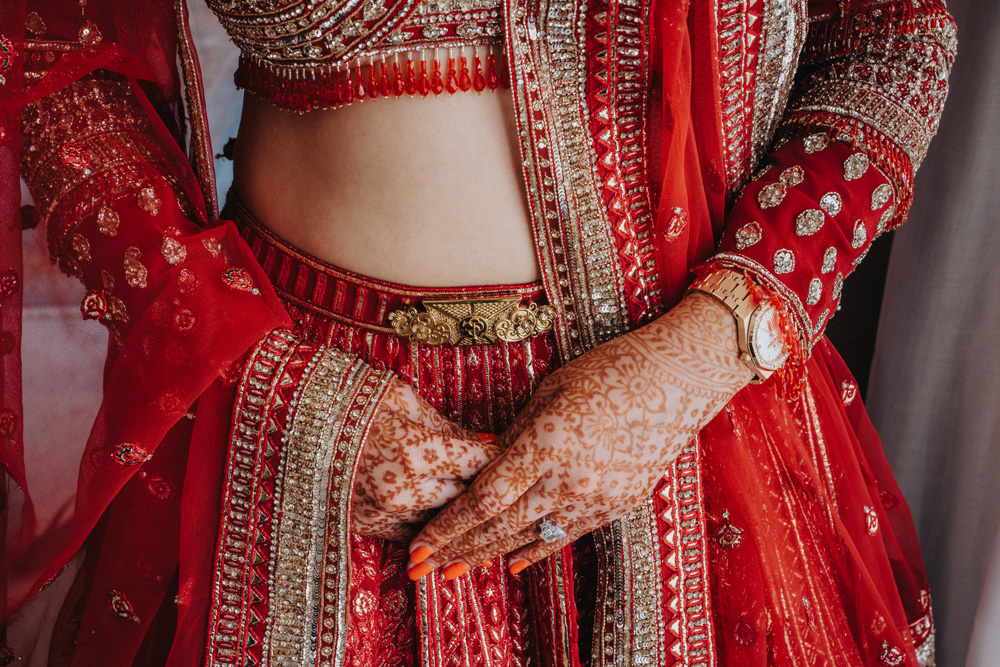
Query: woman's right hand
x,y
414,462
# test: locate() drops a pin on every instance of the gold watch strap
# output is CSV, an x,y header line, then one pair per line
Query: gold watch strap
x,y
733,290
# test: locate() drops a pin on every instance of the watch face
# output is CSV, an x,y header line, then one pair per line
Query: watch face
x,y
767,342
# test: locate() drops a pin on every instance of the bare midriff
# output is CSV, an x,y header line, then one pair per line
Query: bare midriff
x,y
418,191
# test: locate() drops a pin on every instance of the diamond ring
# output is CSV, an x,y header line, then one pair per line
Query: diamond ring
x,y
549,531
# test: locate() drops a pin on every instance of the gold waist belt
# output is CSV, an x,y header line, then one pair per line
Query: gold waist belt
x,y
472,321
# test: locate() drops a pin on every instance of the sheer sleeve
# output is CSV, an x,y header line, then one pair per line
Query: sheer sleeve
x,y
868,96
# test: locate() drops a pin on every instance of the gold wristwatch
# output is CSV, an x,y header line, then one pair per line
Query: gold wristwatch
x,y
758,331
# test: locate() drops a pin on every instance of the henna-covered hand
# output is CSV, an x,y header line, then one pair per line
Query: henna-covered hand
x,y
593,441
414,462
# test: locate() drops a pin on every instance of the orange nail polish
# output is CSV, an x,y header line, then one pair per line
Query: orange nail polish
x,y
419,570
455,570
486,563
420,554
487,437
518,565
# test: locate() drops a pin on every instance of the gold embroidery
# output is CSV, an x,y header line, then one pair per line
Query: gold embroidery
x,y
173,251
107,221
815,292
772,195
472,322
809,222
135,271
148,201
748,235
784,261
856,166
829,260
831,203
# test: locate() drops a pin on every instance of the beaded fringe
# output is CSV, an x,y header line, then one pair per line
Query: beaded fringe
x,y
323,87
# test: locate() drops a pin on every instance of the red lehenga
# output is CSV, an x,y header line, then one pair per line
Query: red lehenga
x,y
776,136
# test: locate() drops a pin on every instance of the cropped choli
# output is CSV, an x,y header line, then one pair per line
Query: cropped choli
x,y
300,55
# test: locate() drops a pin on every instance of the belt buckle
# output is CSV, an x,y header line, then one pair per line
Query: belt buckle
x,y
461,322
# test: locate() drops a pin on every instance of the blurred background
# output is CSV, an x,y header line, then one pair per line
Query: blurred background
x,y
920,328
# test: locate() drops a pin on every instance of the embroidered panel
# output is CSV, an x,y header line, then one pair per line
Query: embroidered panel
x,y
280,596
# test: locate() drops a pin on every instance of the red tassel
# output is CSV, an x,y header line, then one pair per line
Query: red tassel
x,y
372,84
424,84
410,85
491,72
383,81
464,82
359,84
478,80
437,85
397,81
452,80
347,87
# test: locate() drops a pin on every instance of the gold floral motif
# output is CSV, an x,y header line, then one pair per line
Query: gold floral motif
x,y
173,251
829,260
524,323
831,203
135,271
815,292
148,201
784,261
793,176
748,235
815,143
871,520
855,166
772,195
107,221
881,196
838,286
809,222
472,322
81,247
848,392
860,235
212,246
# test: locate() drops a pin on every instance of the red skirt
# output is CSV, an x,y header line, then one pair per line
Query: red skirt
x,y
779,537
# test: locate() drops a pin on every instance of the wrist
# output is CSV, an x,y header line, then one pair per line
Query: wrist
x,y
760,339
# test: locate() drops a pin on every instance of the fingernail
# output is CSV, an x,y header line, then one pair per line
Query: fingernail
x,y
419,570
518,565
454,571
486,563
487,437
420,554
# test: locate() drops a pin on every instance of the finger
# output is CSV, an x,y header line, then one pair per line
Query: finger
x,y
531,533
496,488
539,549
524,513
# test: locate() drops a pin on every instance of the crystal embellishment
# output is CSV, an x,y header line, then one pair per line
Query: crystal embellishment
x,y
831,203
814,143
784,261
829,260
881,196
793,176
748,235
838,286
772,195
860,235
856,166
809,222
815,292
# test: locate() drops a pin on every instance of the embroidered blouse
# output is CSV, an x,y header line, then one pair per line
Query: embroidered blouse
x,y
303,54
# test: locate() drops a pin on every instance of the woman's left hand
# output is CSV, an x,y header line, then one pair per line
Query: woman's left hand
x,y
592,442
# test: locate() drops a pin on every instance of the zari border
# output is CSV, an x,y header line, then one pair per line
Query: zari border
x,y
575,247
290,520
618,87
629,623
231,615
200,152
310,561
680,515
